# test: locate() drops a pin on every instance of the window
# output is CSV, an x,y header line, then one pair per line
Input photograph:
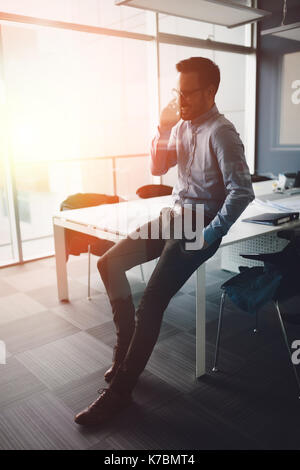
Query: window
x,y
81,106
101,13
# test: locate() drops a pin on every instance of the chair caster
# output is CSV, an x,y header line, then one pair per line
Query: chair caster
x,y
255,331
215,369
89,298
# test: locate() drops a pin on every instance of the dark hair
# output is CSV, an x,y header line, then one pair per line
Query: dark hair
x,y
208,71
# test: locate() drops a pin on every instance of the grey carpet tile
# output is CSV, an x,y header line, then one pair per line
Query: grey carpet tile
x,y
233,325
212,313
136,297
47,263
189,285
102,445
166,331
152,392
237,334
79,393
228,363
140,437
47,296
199,429
26,267
178,425
291,305
34,331
218,274
77,266
106,332
181,312
6,289
42,423
250,403
212,288
245,343
266,418
70,358
251,400
227,394
95,282
173,360
16,383
137,286
32,279
18,306
279,414
142,430
274,364
84,313
149,393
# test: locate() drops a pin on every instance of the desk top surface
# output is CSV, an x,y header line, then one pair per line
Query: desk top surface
x,y
123,218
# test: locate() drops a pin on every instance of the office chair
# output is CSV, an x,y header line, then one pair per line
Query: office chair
x,y
154,190
238,290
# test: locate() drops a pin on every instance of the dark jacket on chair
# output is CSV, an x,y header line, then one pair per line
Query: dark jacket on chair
x,y
76,242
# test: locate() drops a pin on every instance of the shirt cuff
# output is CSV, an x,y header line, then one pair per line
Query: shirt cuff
x,y
164,134
209,235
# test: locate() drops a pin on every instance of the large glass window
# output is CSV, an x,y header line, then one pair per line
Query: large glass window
x,y
72,99
80,108
7,254
75,95
101,13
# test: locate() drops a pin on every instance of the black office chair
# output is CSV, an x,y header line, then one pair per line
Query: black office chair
x,y
154,190
255,178
256,282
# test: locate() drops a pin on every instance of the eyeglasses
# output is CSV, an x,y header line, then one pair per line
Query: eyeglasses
x,y
186,95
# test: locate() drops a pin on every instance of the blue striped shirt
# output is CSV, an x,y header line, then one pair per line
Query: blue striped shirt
x,y
212,168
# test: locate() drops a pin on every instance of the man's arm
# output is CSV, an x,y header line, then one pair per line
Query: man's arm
x,y
163,151
229,151
163,148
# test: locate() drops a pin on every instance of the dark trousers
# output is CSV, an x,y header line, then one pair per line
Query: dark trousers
x,y
174,267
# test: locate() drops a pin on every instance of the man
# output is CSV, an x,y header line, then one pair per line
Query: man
x,y
211,171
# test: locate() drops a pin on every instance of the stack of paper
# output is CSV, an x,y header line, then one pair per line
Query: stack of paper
x,y
291,204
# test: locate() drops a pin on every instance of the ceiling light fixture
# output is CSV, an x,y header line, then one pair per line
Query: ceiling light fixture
x,y
220,12
287,31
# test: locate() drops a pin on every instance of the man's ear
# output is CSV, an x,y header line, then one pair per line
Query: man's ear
x,y
211,91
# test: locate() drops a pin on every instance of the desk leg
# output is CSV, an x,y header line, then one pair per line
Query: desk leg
x,y
61,265
200,321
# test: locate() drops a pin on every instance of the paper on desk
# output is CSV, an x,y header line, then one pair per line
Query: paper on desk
x,y
290,204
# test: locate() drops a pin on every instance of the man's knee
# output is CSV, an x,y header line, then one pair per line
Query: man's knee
x,y
108,266
102,265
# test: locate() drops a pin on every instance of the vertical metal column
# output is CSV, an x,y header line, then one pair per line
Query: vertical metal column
x,y
12,197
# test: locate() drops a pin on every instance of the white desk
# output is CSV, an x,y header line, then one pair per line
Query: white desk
x,y
116,221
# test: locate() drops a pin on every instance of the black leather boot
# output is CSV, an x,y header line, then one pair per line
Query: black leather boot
x,y
124,319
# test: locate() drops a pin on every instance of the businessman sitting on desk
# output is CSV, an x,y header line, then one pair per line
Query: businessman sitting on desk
x,y
211,171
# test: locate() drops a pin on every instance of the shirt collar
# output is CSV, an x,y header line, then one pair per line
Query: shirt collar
x,y
204,117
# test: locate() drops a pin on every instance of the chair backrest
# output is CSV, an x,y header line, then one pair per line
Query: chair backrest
x,y
80,200
154,190
77,243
